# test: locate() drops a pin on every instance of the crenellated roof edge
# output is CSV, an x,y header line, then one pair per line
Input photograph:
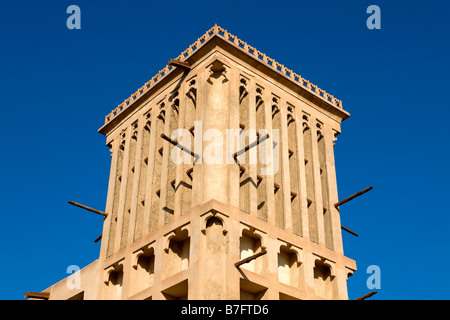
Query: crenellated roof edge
x,y
243,46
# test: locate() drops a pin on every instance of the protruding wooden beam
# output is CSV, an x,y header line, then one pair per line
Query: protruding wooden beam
x,y
349,231
179,64
353,196
248,259
367,295
176,144
37,295
251,145
88,209
99,238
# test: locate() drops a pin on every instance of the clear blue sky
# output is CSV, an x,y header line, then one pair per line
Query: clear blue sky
x,y
57,85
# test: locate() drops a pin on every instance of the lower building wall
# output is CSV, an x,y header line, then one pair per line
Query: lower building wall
x,y
81,285
198,256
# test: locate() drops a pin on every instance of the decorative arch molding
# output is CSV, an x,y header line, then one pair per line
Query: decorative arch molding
x,y
149,249
261,235
291,248
326,262
115,267
214,214
348,272
217,69
182,232
306,123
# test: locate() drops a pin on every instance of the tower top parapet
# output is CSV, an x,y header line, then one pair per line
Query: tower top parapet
x,y
217,31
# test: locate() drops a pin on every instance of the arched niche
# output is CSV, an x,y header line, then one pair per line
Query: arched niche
x,y
253,241
325,285
290,265
143,269
113,283
176,251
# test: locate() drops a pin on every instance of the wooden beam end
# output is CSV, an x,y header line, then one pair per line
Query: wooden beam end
x,y
37,295
179,64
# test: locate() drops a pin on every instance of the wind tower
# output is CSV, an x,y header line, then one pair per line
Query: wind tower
x,y
224,229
